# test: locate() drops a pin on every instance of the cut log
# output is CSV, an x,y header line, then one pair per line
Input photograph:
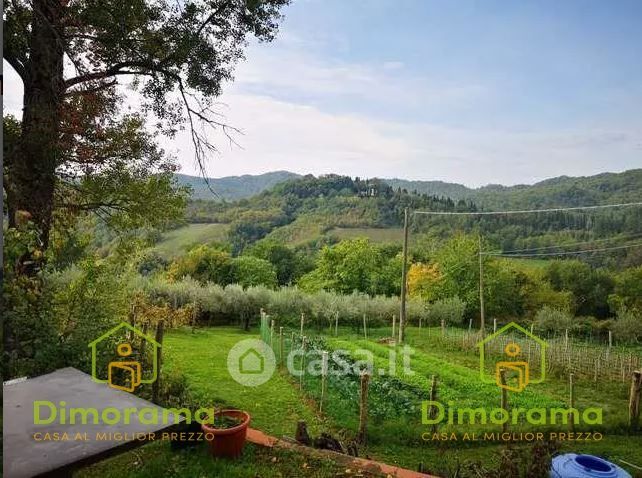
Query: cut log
x,y
328,442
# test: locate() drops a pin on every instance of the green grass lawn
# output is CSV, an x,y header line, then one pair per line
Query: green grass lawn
x,y
201,356
177,241
274,406
156,460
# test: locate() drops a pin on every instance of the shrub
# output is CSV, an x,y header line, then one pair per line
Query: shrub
x,y
450,310
205,264
29,333
286,261
215,304
252,271
549,319
89,299
30,337
628,326
150,262
354,265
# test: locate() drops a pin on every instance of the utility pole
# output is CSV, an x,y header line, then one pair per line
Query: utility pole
x,y
481,290
402,312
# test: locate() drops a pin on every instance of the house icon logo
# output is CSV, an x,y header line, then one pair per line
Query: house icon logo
x,y
124,373
251,362
522,362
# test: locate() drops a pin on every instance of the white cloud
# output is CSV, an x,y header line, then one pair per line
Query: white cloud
x,y
289,70
392,65
303,136
12,94
304,139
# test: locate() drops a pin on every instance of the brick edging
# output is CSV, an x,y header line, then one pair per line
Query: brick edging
x,y
259,438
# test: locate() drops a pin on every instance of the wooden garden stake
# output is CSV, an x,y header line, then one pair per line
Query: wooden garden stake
x,y
365,327
433,398
494,325
302,362
363,408
143,342
623,369
443,328
394,323
470,325
272,335
634,399
159,339
336,324
324,376
566,339
504,399
302,320
281,345
420,322
571,397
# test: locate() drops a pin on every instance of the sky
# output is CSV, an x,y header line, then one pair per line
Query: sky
x,y
473,92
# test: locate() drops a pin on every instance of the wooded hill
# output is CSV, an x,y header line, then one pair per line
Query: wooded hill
x,y
560,191
231,188
312,211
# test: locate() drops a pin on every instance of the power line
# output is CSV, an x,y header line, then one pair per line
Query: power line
x,y
525,211
573,244
566,253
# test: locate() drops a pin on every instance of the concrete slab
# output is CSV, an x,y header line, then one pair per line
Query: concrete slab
x,y
26,450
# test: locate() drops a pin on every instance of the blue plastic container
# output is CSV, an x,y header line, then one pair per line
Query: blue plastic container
x,y
571,465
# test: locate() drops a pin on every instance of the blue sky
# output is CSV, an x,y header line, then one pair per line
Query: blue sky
x,y
518,64
474,92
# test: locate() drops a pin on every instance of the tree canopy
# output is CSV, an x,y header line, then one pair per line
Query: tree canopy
x,y
177,55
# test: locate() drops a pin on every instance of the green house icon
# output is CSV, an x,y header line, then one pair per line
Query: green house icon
x,y
251,362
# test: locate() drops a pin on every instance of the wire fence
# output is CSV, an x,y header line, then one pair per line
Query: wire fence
x,y
563,353
587,359
364,398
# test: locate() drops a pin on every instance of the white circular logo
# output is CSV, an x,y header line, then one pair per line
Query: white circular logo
x,y
251,362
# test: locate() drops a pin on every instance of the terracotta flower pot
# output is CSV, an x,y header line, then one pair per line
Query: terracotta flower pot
x,y
227,442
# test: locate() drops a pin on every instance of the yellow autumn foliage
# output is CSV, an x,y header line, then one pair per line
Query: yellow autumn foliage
x,y
422,280
147,315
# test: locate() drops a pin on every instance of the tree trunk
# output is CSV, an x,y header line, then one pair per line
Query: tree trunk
x,y
32,168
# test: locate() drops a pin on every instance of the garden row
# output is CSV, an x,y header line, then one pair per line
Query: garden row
x,y
395,394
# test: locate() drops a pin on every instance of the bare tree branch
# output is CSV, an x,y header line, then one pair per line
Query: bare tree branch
x,y
16,64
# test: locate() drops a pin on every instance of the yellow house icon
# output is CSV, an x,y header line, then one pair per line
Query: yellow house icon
x,y
513,359
131,368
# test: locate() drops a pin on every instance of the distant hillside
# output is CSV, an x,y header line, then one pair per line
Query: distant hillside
x,y
302,209
232,188
564,191
560,191
311,211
